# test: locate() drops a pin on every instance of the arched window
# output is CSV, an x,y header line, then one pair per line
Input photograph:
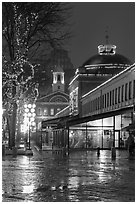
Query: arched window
x,y
58,109
45,111
39,111
52,111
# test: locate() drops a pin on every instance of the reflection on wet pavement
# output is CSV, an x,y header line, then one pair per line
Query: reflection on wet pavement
x,y
80,177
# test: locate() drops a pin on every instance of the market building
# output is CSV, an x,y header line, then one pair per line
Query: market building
x,y
101,104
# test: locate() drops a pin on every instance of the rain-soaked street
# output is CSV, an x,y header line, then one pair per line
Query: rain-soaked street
x,y
80,177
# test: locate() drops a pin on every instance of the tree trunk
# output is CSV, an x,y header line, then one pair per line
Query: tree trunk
x,y
9,131
13,125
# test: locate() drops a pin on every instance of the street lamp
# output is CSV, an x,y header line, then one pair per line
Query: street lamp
x,y
29,118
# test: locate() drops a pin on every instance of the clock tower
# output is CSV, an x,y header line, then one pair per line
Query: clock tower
x,y
58,79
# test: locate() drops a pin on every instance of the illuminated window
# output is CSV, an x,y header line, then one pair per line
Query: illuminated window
x,y
45,111
58,109
39,111
52,111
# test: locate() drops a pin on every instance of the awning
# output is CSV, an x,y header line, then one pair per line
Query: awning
x,y
55,122
67,121
130,127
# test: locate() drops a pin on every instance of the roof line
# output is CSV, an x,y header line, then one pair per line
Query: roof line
x,y
52,94
130,67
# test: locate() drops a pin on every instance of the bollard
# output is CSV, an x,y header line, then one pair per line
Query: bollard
x,y
113,152
98,151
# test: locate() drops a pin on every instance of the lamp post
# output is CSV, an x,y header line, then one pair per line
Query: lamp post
x,y
29,118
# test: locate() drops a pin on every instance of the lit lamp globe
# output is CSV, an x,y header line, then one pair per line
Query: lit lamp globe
x,y
25,106
32,110
29,105
29,114
26,110
25,115
33,115
33,106
33,123
32,119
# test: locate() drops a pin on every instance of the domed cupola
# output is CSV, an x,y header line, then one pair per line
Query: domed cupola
x,y
105,62
107,56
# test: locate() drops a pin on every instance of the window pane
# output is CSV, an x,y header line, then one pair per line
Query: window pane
x,y
122,93
130,89
107,99
39,111
113,97
110,98
45,111
51,111
126,91
116,96
119,94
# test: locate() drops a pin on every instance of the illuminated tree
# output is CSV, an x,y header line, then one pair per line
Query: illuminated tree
x,y
26,26
43,24
17,79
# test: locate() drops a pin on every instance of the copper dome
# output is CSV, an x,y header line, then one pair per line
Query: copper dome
x,y
107,55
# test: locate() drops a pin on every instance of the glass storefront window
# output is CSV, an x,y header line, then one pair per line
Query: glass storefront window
x,y
108,121
90,139
118,122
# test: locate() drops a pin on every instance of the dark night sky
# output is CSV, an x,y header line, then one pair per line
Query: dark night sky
x,y
90,20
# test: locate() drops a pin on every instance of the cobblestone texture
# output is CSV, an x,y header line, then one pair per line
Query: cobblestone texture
x,y
80,177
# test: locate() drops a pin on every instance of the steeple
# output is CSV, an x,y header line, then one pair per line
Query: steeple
x,y
107,49
107,36
58,79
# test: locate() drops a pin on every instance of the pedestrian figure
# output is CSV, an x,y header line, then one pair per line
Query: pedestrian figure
x,y
131,144
98,151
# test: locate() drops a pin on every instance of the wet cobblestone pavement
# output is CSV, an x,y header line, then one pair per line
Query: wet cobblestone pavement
x,y
80,177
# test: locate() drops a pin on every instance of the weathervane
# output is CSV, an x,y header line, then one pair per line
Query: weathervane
x,y
107,36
